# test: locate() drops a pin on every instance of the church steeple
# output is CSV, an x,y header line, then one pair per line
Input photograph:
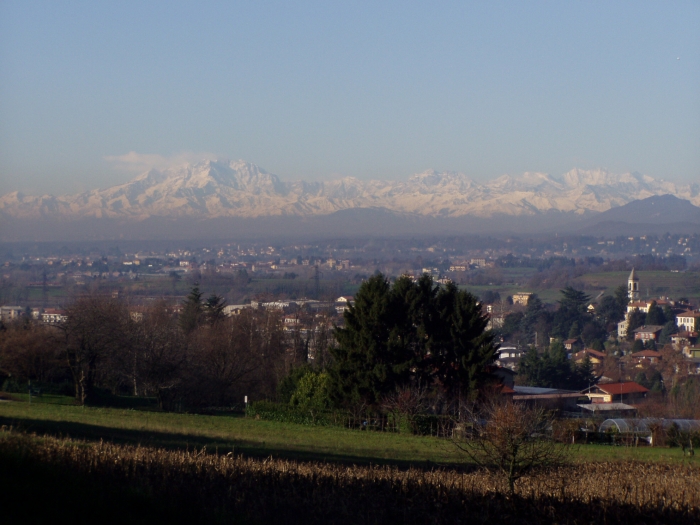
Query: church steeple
x,y
633,287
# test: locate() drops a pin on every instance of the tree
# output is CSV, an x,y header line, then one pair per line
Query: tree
x,y
154,360
192,310
410,332
96,330
552,369
312,393
610,310
572,309
511,437
655,315
535,316
213,309
583,375
636,319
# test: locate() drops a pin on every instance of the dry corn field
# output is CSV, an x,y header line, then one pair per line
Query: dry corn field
x,y
201,486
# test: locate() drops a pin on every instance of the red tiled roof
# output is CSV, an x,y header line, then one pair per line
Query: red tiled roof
x,y
651,329
623,388
592,352
688,313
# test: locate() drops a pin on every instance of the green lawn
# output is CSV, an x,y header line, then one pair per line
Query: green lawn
x,y
264,438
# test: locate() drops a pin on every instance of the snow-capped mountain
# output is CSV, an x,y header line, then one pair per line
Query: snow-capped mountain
x,y
213,189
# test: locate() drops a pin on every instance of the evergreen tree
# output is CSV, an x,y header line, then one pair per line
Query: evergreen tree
x,y
655,315
213,309
636,319
535,315
610,310
410,332
192,309
584,375
572,309
670,328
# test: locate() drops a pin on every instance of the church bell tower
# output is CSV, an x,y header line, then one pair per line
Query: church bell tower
x,y
633,287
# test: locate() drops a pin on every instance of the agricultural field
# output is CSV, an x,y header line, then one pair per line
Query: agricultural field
x,y
103,482
651,283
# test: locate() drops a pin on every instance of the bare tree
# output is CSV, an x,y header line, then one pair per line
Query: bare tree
x,y
511,437
407,402
29,351
156,355
95,330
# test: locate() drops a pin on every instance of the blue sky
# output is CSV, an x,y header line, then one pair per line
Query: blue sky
x,y
93,92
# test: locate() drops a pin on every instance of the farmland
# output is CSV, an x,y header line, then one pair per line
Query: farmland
x,y
108,483
145,466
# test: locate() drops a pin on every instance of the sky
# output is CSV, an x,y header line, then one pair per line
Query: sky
x,y
92,93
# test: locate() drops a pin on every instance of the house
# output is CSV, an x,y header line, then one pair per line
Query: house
x,y
616,392
595,356
495,321
645,357
682,340
522,298
647,333
10,313
571,344
688,321
509,357
53,316
234,309
348,299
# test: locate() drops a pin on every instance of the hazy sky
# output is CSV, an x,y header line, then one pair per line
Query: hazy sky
x,y
92,92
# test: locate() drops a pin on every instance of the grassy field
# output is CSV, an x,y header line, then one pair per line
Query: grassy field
x,y
258,438
651,284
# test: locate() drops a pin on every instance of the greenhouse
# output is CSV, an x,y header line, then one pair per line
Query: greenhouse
x,y
645,426
673,432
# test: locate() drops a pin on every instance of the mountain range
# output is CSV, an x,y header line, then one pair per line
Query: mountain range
x,y
222,190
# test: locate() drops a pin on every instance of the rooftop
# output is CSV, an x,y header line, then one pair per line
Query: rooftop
x,y
622,388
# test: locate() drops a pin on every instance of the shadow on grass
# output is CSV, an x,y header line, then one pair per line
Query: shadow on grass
x,y
178,441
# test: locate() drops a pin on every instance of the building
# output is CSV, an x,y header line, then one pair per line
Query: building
x,y
647,333
645,357
522,298
572,344
633,287
10,313
688,321
595,357
616,392
53,316
509,357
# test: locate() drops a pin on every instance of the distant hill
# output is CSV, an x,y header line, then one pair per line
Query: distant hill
x,y
654,215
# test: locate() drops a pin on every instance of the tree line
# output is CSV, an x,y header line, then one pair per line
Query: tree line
x,y
397,335
196,359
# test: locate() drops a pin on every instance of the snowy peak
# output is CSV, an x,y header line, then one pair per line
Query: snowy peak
x,y
222,188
